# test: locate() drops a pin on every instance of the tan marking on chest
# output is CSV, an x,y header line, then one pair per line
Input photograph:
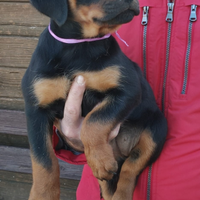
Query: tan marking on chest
x,y
102,80
49,90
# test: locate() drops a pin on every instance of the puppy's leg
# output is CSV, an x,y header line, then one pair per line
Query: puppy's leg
x,y
133,165
105,190
98,151
96,128
44,162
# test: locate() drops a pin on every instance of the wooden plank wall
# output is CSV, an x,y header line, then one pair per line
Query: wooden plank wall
x,y
20,27
16,186
15,161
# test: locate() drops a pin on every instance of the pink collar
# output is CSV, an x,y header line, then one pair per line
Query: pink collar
x,y
73,41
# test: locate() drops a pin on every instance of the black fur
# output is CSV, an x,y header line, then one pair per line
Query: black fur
x,y
132,101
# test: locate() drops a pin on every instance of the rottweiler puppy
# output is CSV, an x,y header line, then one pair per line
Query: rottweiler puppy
x,y
116,93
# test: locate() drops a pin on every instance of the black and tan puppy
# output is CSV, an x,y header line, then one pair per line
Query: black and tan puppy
x,y
114,83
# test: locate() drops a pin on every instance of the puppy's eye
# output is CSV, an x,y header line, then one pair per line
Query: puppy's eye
x,y
96,20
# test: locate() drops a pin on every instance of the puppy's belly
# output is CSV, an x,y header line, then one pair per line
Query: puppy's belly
x,y
126,140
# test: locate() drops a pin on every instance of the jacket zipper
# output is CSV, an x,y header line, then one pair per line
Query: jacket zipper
x,y
169,19
144,23
193,18
149,182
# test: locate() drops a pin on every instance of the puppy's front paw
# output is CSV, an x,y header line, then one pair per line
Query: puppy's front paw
x,y
102,162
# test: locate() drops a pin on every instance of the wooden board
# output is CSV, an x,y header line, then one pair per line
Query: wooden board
x,y
10,82
13,122
16,30
14,1
14,140
16,51
10,88
16,186
20,26
18,160
15,55
21,19
21,13
11,103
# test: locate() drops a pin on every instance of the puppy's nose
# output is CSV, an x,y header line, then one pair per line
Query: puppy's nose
x,y
134,5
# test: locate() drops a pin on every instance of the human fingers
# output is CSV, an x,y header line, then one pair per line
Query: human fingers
x,y
72,120
73,103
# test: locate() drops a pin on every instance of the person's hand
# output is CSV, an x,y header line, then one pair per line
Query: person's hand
x,y
71,124
72,119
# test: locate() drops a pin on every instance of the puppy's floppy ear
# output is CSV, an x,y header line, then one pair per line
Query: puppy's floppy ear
x,y
55,9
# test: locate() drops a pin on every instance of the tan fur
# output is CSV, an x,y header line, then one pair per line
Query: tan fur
x,y
91,128
102,80
87,13
108,29
45,181
104,190
49,90
84,15
99,153
131,168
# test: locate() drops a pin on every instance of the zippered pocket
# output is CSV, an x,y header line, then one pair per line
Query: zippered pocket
x,y
144,23
169,19
192,19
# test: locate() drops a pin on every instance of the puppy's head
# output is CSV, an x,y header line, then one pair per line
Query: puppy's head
x,y
96,17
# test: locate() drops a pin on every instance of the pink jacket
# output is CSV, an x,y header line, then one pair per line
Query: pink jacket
x,y
169,55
